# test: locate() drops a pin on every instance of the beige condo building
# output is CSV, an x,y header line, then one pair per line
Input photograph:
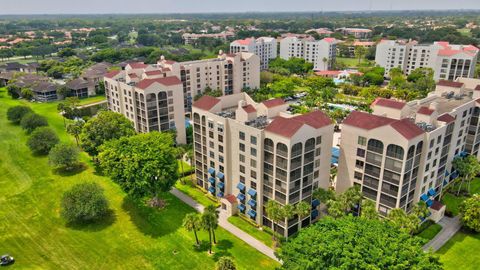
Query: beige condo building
x,y
402,153
248,153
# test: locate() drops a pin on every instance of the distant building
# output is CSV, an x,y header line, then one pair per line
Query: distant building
x,y
448,61
360,33
17,67
248,153
263,47
320,31
322,53
79,87
190,38
94,75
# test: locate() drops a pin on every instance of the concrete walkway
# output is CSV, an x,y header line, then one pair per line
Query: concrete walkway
x,y
223,222
450,226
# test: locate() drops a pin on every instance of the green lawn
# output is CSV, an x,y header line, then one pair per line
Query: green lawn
x,y
453,202
196,193
430,232
136,237
462,251
249,228
353,62
90,100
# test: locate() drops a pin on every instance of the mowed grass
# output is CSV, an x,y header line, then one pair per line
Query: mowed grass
x,y
187,187
245,226
453,202
353,62
462,251
135,237
430,232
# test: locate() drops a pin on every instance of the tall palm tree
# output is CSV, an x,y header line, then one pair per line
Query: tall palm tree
x,y
180,153
191,156
192,222
302,209
211,209
274,213
208,219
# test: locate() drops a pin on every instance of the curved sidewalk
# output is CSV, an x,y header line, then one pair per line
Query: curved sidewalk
x,y
223,222
450,226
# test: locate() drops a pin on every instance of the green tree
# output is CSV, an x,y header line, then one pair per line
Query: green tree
x,y
143,165
63,92
368,210
470,213
192,222
104,127
323,195
359,53
274,213
302,209
468,167
225,263
407,223
208,221
26,93
16,113
75,129
31,121
64,156
211,209
355,243
42,140
13,91
84,203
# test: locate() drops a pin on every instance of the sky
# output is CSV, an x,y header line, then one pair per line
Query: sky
x,y
203,6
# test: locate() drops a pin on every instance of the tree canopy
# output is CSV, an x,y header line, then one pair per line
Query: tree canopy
x,y
470,213
16,113
42,140
143,165
355,243
84,202
31,121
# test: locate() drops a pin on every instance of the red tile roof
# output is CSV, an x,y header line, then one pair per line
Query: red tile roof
x,y
206,103
477,88
137,65
287,127
407,128
170,62
329,40
390,103
249,109
447,118
273,102
154,72
366,121
450,83
112,73
167,81
244,41
425,110
436,205
133,75
231,198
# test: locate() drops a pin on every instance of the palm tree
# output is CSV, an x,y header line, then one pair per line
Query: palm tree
x,y
208,219
191,222
190,157
468,168
302,209
211,209
75,129
180,153
288,211
274,213
325,61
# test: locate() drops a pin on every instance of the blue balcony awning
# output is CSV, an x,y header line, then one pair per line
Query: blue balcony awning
x,y
220,194
211,190
252,213
447,173
315,203
424,197
211,171
314,214
220,185
252,192
445,182
463,154
432,192
220,175
211,180
241,207
252,203
241,197
241,186
429,202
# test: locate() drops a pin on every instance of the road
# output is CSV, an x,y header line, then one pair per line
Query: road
x,y
223,222
450,226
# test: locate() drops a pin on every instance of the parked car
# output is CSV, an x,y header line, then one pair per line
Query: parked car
x,y
6,260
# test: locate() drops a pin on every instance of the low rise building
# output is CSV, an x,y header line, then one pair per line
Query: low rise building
x,y
191,38
402,153
263,47
360,33
322,53
248,153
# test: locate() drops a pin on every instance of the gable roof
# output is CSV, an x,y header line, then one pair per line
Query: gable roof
x,y
450,83
407,128
447,118
389,103
287,127
206,103
273,102
154,72
167,81
137,65
425,110
477,88
249,108
112,73
76,84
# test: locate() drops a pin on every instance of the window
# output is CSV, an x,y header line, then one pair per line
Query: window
x,y
241,146
360,152
395,151
362,140
253,152
375,146
241,158
319,140
253,140
241,135
253,163
253,174
242,169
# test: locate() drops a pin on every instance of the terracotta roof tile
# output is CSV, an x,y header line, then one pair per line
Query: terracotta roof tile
x,y
137,65
477,88
447,118
154,72
450,83
206,103
390,103
273,102
231,198
249,109
287,127
112,73
167,81
407,128
315,119
425,110
436,205
366,121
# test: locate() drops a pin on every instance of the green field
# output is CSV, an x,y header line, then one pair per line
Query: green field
x,y
353,62
462,251
453,202
195,193
135,237
430,232
245,226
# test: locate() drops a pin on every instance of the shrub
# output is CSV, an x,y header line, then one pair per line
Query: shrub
x,y
16,113
64,156
42,140
225,263
470,213
31,121
83,203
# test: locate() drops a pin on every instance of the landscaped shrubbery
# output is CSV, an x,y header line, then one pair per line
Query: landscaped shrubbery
x,y
64,156
16,113
84,203
42,140
31,121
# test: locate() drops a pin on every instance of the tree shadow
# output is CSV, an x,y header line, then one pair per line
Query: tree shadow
x,y
98,171
94,226
80,167
150,221
222,248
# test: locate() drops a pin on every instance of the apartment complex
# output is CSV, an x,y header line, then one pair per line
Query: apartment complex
x,y
191,38
321,53
403,152
248,153
264,47
448,61
360,33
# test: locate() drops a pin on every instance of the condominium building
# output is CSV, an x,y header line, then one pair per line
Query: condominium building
x,y
360,33
248,153
402,153
191,38
448,61
264,47
322,53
